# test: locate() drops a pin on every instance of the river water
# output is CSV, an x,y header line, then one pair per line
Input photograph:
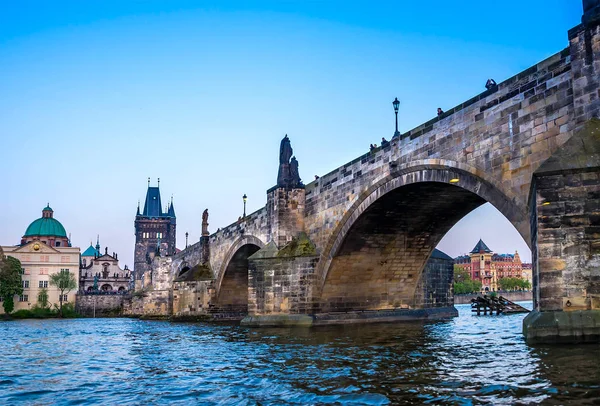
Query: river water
x,y
464,361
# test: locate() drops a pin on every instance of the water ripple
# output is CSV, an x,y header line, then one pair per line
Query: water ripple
x,y
466,361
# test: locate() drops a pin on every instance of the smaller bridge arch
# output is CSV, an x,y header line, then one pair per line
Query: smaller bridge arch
x,y
231,291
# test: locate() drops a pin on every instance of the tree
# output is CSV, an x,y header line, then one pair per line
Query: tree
x,y
10,281
64,282
463,283
43,298
514,284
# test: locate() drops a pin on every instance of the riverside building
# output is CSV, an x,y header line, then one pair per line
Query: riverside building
x,y
44,250
485,266
101,272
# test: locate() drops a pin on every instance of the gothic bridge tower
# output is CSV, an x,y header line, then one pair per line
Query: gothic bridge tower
x,y
155,231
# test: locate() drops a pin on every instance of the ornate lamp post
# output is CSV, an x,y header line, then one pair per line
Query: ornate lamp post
x,y
396,104
244,198
186,239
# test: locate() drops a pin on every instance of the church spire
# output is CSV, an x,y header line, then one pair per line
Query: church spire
x,y
98,244
171,211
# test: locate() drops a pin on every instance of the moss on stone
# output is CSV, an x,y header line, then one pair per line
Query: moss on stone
x,y
300,246
200,272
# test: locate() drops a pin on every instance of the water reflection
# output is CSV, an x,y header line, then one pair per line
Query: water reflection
x,y
468,360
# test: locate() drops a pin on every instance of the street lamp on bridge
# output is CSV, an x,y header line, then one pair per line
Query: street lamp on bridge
x,y
244,198
396,104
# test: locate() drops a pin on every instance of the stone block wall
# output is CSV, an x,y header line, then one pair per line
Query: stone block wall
x,y
99,305
192,298
435,286
281,285
285,209
566,226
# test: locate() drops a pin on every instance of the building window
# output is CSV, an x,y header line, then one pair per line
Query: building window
x,y
64,270
25,284
43,271
65,259
43,284
24,298
22,271
57,243
64,298
44,258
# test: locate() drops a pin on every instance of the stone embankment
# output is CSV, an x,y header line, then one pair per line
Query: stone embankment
x,y
99,305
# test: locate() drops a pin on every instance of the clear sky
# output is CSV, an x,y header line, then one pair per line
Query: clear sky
x,y
97,96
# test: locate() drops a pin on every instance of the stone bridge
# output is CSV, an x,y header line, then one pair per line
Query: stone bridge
x,y
353,244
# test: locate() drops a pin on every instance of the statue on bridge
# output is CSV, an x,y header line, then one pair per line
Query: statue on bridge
x,y
205,223
288,175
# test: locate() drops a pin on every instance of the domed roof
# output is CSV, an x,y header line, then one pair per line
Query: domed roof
x,y
46,226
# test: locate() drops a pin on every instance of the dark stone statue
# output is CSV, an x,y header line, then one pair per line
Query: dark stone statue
x,y
285,150
205,222
288,175
294,174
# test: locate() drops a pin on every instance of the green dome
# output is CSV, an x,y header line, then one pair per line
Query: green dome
x,y
46,226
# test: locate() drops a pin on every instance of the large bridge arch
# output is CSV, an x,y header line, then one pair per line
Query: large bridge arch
x,y
231,291
370,264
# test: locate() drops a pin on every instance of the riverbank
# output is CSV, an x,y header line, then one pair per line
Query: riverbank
x,y
512,296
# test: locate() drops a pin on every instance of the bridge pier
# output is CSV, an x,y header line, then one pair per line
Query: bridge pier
x,y
565,219
565,208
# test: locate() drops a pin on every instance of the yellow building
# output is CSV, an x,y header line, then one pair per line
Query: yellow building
x,y
45,250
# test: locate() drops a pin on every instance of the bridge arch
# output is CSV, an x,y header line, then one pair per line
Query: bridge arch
x,y
375,256
231,291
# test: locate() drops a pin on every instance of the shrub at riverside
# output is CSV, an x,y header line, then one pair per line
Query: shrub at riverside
x,y
10,281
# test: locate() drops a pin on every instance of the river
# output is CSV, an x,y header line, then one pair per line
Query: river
x,y
464,361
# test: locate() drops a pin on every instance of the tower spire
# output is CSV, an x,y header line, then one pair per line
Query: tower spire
x,y
98,244
138,209
158,182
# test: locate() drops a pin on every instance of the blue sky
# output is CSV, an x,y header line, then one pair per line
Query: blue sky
x,y
99,96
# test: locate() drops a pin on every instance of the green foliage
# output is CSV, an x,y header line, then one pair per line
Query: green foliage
x,y
8,304
300,246
38,312
463,283
10,281
42,298
514,284
68,311
65,282
22,314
